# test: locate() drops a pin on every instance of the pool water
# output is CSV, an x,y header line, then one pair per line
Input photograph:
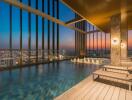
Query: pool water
x,y
42,82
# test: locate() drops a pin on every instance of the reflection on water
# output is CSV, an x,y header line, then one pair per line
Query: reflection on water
x,y
40,82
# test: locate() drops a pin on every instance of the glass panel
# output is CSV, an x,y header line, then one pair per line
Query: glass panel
x,y
25,29
33,31
130,42
16,27
4,25
99,44
64,10
67,41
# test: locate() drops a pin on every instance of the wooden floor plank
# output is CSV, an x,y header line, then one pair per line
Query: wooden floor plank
x,y
67,95
95,95
93,90
87,90
104,92
109,93
122,94
116,94
79,91
128,95
87,96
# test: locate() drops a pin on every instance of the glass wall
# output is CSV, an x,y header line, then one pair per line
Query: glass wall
x,y
130,43
27,38
98,43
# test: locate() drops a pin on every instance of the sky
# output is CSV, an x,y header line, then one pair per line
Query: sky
x,y
67,36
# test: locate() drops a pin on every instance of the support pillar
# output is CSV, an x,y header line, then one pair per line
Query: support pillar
x,y
124,30
119,36
115,40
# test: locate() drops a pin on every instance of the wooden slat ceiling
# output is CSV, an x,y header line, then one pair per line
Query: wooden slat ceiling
x,y
99,12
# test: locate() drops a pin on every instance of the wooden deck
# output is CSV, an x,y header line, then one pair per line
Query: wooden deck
x,y
97,90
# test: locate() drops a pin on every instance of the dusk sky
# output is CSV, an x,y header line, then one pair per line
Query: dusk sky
x,y
67,36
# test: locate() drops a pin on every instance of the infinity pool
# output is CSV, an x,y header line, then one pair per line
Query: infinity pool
x,y
42,82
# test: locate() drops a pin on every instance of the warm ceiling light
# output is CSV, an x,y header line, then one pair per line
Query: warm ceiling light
x,y
115,41
123,45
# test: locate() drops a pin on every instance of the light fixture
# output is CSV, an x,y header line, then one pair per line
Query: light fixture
x,y
123,45
115,41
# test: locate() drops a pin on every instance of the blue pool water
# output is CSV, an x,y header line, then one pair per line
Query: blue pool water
x,y
42,82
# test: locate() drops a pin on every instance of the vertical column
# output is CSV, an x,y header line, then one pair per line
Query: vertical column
x,y
119,35
84,38
78,39
115,40
81,44
80,36
53,27
10,34
48,29
75,39
93,42
105,46
57,28
36,33
89,41
20,35
85,25
88,44
97,45
110,43
101,54
43,21
124,30
29,32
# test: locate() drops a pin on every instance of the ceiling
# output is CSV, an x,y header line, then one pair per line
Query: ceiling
x,y
99,12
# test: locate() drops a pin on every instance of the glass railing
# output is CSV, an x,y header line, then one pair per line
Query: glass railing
x,y
16,57
98,53
130,53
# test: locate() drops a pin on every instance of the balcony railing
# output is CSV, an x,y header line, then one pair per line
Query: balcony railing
x,y
16,57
